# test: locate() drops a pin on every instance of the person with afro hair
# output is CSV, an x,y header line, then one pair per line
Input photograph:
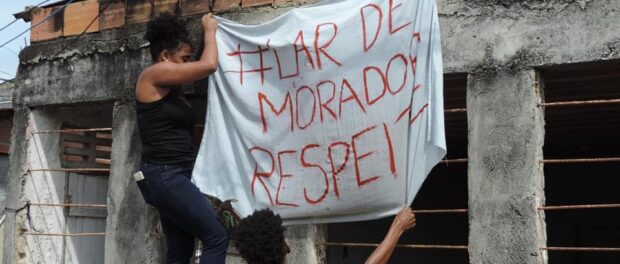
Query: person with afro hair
x,y
260,238
165,122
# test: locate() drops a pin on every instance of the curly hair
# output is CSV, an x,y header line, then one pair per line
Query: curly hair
x,y
166,32
260,238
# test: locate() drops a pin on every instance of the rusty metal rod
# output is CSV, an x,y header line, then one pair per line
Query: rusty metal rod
x,y
72,130
74,170
459,247
455,161
576,207
71,205
455,110
64,235
581,249
440,211
591,160
586,102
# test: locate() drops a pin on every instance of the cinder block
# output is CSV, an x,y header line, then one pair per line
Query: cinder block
x,y
78,16
223,5
51,28
189,7
113,16
249,3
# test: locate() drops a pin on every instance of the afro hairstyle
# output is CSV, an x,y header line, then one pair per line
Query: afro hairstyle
x,y
166,32
260,238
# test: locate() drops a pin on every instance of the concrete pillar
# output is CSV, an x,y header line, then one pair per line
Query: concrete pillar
x,y
14,243
302,240
506,136
132,231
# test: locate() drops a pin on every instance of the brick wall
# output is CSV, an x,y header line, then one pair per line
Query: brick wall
x,y
99,15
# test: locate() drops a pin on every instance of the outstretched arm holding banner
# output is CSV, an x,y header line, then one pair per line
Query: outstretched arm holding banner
x,y
404,220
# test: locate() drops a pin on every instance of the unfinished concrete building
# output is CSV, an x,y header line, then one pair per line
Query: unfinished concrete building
x,y
532,93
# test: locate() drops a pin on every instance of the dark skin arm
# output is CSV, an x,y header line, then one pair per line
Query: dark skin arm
x,y
403,221
170,69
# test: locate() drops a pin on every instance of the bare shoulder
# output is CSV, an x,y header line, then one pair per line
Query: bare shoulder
x,y
146,90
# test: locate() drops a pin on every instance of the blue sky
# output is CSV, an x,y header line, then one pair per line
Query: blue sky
x,y
8,58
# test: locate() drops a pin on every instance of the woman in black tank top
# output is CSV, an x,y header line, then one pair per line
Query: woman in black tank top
x,y
165,121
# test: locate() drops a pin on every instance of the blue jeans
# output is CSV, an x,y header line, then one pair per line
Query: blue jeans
x,y
184,212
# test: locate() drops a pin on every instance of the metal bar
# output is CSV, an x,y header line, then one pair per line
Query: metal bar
x,y
586,102
72,130
71,205
456,110
576,207
592,160
455,161
459,247
581,249
74,170
440,211
64,235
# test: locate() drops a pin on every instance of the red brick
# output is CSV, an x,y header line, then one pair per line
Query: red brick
x,y
138,11
189,7
78,17
113,16
162,6
248,3
222,5
50,29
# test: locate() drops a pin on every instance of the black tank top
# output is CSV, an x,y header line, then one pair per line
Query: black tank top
x,y
166,129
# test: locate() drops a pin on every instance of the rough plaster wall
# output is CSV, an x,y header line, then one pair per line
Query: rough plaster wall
x,y
4,169
505,178
302,240
14,243
133,234
491,34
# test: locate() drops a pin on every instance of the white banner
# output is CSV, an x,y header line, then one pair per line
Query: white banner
x,y
329,113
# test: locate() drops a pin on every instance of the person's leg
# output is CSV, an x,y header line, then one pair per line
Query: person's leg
x,y
189,210
180,244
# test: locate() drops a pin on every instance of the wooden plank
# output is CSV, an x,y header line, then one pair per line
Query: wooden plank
x,y
51,28
79,15
104,148
73,158
138,11
190,7
69,144
113,16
